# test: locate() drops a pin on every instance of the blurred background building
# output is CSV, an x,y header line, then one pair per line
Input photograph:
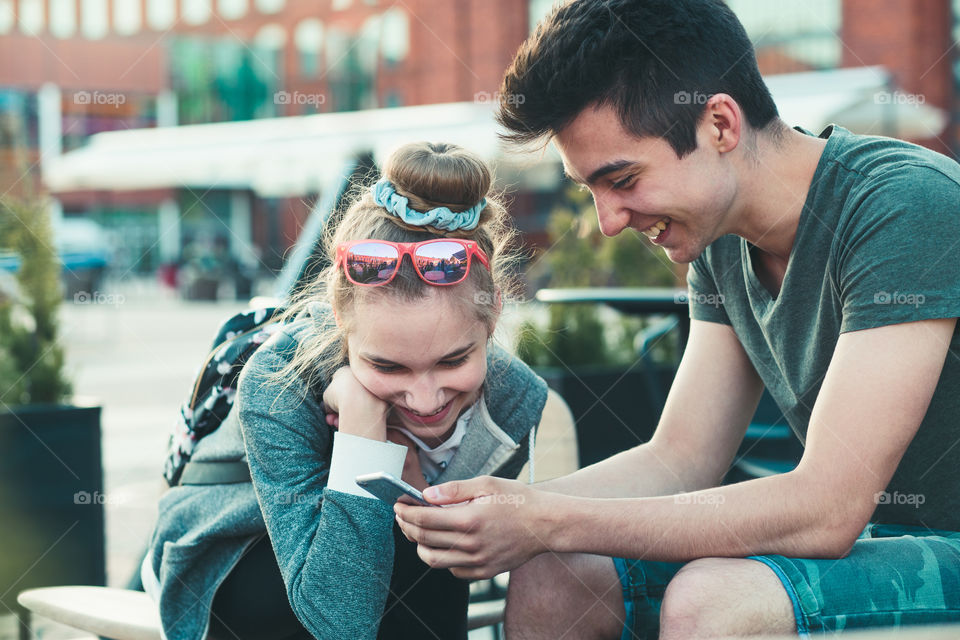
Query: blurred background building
x,y
72,69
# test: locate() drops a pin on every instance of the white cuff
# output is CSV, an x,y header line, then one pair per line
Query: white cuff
x,y
355,455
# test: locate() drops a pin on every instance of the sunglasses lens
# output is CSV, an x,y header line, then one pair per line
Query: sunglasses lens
x,y
371,262
442,262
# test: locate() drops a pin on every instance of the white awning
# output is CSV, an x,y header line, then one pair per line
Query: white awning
x,y
858,98
273,156
299,155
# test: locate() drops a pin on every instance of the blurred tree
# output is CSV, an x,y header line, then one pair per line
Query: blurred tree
x,y
581,256
31,359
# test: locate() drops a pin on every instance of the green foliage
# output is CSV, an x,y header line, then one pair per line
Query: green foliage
x,y
580,256
31,359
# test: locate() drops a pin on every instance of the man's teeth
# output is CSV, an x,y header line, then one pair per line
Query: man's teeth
x,y
656,229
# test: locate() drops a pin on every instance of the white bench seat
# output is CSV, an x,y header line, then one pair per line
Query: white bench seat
x,y
120,614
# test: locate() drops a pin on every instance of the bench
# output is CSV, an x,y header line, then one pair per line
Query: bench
x,y
121,614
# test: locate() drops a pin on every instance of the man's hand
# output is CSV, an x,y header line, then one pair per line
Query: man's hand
x,y
352,409
496,529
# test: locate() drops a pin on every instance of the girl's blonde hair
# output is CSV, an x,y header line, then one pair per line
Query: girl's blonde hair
x,y
430,175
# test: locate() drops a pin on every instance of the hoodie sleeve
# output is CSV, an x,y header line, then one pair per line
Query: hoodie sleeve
x,y
334,549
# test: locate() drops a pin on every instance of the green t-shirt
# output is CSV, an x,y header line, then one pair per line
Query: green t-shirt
x,y
878,243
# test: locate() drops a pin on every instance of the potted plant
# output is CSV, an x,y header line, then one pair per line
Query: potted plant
x,y
51,486
588,353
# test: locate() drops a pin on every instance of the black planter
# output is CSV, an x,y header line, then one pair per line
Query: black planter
x,y
51,499
614,408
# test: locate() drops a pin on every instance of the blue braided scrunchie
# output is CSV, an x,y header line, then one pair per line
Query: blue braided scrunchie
x,y
442,218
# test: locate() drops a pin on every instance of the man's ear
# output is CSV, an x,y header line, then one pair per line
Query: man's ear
x,y
724,120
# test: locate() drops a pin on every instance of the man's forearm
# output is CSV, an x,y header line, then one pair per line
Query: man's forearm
x,y
641,471
763,516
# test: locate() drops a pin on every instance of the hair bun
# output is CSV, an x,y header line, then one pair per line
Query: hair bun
x,y
435,175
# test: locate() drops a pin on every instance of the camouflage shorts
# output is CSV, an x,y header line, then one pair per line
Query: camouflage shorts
x,y
895,575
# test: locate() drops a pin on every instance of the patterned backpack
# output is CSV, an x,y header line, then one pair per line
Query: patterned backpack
x,y
216,384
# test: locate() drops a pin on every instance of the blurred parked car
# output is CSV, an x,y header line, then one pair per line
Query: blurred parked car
x,y
84,251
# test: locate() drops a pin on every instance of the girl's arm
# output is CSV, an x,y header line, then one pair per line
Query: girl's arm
x,y
334,549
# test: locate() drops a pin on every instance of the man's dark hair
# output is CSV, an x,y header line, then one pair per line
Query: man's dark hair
x,y
654,61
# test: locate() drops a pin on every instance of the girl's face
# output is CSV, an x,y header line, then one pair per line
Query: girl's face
x,y
426,359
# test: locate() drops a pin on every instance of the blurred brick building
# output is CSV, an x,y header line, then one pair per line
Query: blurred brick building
x,y
81,67
72,68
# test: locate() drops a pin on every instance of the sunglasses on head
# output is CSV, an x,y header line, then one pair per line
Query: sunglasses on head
x,y
439,262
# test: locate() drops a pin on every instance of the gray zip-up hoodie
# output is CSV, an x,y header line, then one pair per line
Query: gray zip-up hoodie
x,y
335,550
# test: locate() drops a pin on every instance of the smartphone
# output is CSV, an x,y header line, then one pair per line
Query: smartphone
x,y
389,488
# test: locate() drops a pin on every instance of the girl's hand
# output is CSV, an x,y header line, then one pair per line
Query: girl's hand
x,y
412,472
352,409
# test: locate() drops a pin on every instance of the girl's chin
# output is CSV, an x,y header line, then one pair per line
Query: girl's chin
x,y
445,421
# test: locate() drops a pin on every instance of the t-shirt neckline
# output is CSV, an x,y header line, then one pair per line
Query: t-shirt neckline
x,y
832,133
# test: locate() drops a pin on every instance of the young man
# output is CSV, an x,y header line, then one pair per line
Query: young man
x,y
824,268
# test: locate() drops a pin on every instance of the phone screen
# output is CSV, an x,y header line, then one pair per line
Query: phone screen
x,y
389,488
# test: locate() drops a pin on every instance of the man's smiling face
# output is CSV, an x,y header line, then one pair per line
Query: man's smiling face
x,y
681,204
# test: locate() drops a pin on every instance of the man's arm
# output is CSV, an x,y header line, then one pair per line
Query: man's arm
x,y
708,408
873,398
713,396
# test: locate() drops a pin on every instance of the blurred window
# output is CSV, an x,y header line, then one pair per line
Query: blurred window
x,y
267,68
31,16
956,20
126,17
192,75
131,233
308,39
788,36
270,6
63,18
196,11
94,20
271,37
349,74
369,45
6,16
18,119
395,41
161,14
220,79
539,10
792,36
83,117
232,9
